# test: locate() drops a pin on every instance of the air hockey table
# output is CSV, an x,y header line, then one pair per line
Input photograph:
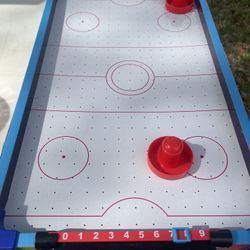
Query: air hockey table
x,y
105,79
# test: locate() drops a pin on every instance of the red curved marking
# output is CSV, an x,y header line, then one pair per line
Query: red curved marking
x,y
67,178
158,23
128,5
126,199
131,62
135,198
92,14
223,149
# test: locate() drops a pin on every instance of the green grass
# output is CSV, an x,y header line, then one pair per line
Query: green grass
x,y
232,18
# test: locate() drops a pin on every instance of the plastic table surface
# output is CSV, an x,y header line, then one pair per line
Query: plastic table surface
x,y
117,74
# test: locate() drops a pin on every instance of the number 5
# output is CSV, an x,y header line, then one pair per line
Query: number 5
x,y
141,234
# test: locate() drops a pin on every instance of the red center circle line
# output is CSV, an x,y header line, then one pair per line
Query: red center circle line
x,y
68,178
129,61
226,165
92,14
159,24
136,63
130,64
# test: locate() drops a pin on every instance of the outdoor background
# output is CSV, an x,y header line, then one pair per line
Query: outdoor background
x,y
232,18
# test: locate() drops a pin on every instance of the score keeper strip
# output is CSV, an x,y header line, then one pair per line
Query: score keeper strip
x,y
132,236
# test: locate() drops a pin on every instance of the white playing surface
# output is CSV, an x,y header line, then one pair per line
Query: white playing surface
x,y
118,74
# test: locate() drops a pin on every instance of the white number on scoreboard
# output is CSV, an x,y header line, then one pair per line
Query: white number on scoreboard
x,y
141,234
126,235
96,236
65,236
202,233
156,234
80,236
111,235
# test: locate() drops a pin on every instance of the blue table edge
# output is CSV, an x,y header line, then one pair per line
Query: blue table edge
x,y
240,237
227,72
16,121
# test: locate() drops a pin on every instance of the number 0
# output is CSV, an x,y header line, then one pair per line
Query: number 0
x,y
65,236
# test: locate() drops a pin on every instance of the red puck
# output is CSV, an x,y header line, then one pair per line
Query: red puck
x,y
179,6
169,157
